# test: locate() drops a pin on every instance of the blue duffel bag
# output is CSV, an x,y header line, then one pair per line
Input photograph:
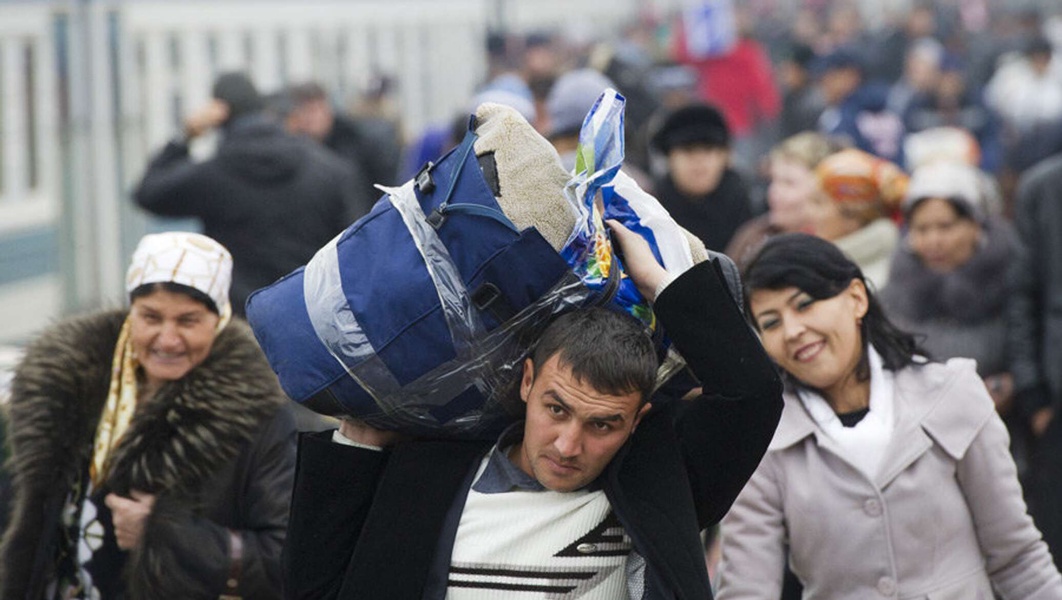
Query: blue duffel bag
x,y
416,316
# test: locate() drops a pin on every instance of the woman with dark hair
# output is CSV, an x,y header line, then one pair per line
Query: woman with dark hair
x,y
151,455
889,473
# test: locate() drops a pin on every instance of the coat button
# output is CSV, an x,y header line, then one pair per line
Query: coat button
x,y
886,586
872,507
586,548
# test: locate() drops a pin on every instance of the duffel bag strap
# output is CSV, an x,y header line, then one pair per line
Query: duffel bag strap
x,y
438,216
425,183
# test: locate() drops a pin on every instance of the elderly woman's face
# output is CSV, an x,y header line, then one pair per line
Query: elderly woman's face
x,y
171,334
817,341
942,239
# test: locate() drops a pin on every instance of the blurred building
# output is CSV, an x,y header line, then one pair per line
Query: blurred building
x,y
89,88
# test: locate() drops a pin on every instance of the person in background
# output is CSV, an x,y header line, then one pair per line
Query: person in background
x,y
948,278
856,110
739,81
272,198
890,50
792,189
572,96
802,101
700,189
889,474
949,282
151,454
858,195
1026,92
921,75
952,103
371,150
1035,336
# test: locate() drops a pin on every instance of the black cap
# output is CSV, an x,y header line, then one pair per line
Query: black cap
x,y
840,58
237,90
692,124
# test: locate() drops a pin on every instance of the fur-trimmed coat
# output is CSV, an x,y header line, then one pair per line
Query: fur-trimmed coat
x,y
960,313
216,447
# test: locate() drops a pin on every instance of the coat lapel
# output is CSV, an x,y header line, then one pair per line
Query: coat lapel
x,y
414,471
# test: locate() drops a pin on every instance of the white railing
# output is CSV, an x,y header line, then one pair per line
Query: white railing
x,y
29,135
89,89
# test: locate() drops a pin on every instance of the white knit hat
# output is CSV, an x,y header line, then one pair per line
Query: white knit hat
x,y
950,180
186,258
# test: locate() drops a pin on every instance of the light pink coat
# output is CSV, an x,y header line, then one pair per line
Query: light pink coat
x,y
944,519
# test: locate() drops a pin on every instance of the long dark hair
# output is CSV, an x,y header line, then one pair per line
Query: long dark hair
x,y
819,269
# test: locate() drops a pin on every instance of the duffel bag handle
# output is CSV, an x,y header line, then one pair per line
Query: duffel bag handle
x,y
425,183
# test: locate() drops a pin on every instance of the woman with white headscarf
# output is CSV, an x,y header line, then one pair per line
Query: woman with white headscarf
x,y
151,456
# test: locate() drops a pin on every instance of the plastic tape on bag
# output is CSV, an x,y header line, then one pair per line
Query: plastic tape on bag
x,y
461,318
338,329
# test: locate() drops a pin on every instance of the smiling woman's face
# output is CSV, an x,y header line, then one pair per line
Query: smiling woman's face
x,y
816,341
171,334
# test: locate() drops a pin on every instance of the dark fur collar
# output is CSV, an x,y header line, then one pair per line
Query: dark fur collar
x,y
971,294
187,434
174,444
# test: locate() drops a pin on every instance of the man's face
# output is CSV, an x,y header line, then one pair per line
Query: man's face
x,y
313,118
572,431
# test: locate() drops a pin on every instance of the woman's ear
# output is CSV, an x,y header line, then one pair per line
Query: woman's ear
x,y
857,290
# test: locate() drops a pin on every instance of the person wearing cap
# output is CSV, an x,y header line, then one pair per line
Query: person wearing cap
x,y
272,198
856,110
151,454
572,96
700,189
858,195
948,278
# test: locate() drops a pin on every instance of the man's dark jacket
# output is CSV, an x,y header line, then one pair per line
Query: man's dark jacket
x,y
365,524
713,218
371,145
271,198
1035,308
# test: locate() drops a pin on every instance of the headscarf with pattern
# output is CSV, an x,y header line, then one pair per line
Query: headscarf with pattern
x,y
190,259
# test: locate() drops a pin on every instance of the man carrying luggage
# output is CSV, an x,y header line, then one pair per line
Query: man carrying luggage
x,y
599,493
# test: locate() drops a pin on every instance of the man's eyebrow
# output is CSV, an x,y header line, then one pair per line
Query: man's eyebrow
x,y
556,398
605,419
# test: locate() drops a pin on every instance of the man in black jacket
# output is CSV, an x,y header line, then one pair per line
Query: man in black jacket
x,y
1035,331
370,144
272,198
599,493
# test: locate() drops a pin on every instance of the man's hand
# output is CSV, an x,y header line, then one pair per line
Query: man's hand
x,y
1041,419
206,118
639,261
1001,388
363,433
129,516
